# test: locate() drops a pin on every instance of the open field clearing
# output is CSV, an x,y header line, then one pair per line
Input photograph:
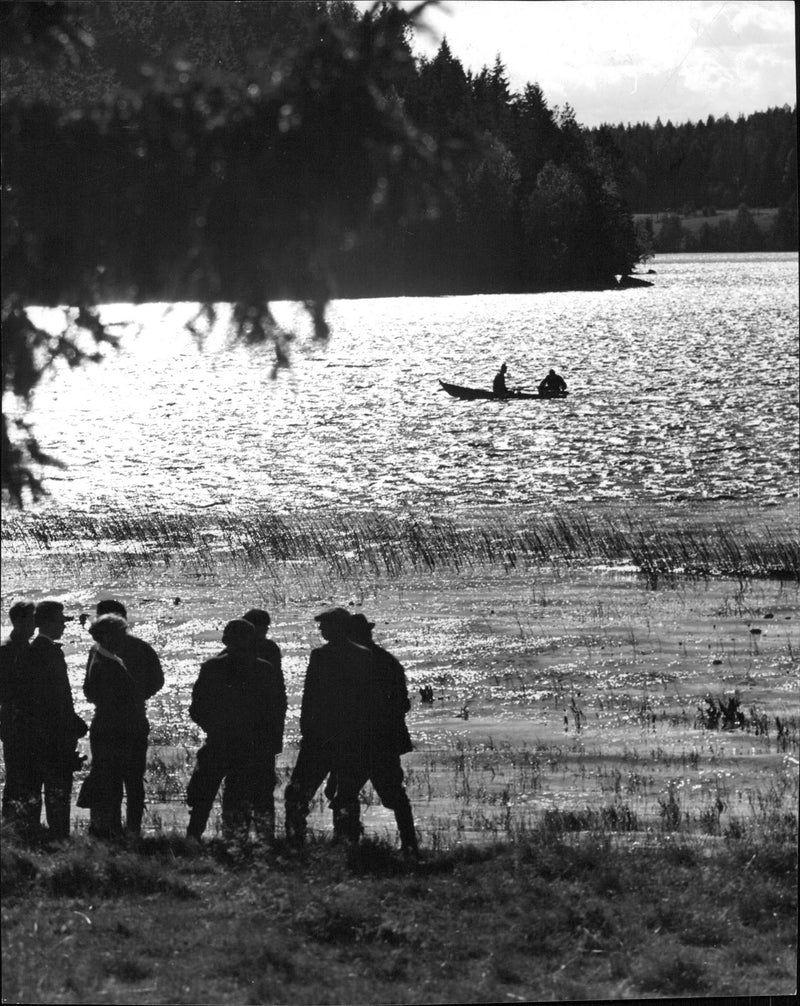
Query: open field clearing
x,y
763,217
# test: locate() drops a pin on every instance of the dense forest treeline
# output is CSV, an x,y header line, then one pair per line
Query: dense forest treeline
x,y
254,150
710,230
534,201
695,170
530,201
719,163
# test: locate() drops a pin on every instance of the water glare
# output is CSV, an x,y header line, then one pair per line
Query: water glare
x,y
686,391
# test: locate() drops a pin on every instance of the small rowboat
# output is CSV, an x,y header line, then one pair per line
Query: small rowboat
x,y
471,394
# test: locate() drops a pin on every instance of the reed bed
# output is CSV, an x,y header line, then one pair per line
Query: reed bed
x,y
386,547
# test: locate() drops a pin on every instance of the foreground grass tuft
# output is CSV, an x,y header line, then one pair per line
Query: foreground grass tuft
x,y
556,916
86,868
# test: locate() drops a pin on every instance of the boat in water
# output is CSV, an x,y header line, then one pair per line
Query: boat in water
x,y
471,394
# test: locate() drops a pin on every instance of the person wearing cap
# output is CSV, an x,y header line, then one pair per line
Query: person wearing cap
x,y
143,665
337,717
13,732
230,702
45,699
391,734
118,734
272,741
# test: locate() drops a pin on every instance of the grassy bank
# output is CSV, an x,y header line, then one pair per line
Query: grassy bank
x,y
548,918
605,784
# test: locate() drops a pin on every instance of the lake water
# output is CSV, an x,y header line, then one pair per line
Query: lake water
x,y
685,391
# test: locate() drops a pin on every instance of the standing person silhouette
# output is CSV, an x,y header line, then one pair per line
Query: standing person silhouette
x,y
230,703
13,732
272,740
337,718
44,698
118,734
390,734
144,666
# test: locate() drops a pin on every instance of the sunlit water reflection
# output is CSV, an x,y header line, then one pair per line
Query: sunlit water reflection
x,y
686,391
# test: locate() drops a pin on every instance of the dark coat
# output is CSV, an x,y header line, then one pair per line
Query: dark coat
x,y
393,736
143,664
232,702
117,696
268,651
44,697
13,656
340,698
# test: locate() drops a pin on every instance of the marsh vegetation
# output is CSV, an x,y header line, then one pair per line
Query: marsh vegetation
x,y
612,699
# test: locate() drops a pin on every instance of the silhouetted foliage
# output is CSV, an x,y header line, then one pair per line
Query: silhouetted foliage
x,y
198,185
274,150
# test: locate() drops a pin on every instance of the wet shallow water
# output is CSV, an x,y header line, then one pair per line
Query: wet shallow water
x,y
686,391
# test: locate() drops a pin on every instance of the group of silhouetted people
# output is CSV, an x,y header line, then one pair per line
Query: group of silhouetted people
x,y
553,384
352,725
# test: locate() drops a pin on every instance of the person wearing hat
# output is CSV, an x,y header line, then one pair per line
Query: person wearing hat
x,y
391,734
337,717
45,699
142,664
13,732
230,702
118,734
272,740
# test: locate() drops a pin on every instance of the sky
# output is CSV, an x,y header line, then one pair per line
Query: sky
x,y
630,61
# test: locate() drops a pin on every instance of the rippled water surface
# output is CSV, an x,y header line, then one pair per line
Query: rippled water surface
x,y
684,391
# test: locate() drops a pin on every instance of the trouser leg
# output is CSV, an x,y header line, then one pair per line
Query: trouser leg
x,y
351,774
202,789
237,801
108,766
25,775
19,784
405,825
57,797
310,769
105,814
264,800
387,780
136,765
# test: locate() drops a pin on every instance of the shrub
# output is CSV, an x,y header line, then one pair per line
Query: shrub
x,y
89,870
19,871
668,968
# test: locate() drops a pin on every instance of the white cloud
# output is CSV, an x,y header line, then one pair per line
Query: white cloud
x,y
633,60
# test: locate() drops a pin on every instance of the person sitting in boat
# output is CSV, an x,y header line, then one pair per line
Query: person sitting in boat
x,y
552,384
499,382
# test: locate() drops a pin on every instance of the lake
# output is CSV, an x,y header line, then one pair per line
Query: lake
x,y
687,391
556,679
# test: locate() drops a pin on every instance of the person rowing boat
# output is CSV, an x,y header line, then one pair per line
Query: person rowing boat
x,y
499,383
552,384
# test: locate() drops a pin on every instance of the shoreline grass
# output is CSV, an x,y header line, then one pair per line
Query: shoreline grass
x,y
605,784
550,917
387,547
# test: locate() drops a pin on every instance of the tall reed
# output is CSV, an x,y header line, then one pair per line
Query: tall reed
x,y
387,546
